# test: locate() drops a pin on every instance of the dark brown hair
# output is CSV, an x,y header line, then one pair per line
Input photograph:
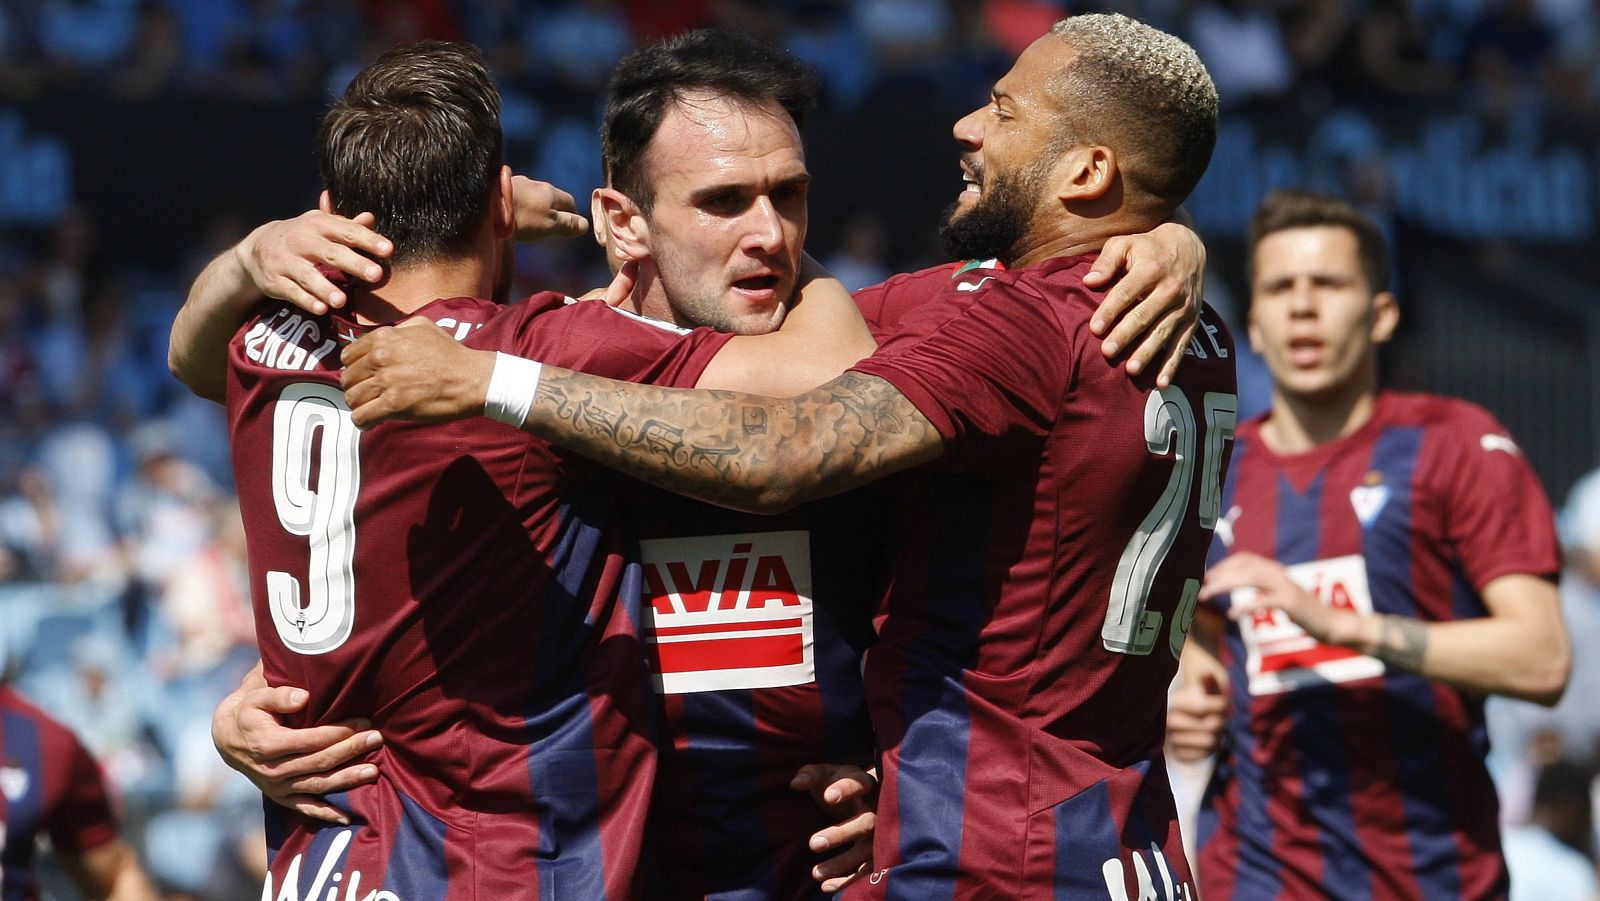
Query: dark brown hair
x,y
415,140
1288,208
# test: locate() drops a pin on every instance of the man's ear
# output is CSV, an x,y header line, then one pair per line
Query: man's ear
x,y
626,224
1385,317
1086,173
501,207
325,203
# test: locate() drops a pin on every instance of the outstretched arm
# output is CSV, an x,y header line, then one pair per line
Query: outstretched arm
x,y
1519,650
739,450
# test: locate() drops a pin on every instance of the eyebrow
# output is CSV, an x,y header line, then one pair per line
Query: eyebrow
x,y
744,187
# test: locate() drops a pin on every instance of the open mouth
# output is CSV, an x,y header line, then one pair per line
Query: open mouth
x,y
757,283
1305,351
972,186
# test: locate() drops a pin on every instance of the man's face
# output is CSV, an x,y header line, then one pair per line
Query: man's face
x,y
729,217
1313,317
1012,148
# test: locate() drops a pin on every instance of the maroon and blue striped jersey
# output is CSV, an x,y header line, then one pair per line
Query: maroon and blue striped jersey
x,y
755,627
49,786
1044,574
466,588
1342,776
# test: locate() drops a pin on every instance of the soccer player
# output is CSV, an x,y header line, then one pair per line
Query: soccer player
x,y
1040,590
756,680
463,587
49,785
1391,562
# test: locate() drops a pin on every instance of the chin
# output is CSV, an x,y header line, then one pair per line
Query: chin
x,y
760,322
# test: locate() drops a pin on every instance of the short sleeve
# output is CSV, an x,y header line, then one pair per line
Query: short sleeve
x,y
590,337
989,368
1498,519
81,819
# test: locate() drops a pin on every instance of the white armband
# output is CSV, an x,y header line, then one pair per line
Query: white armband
x,y
512,386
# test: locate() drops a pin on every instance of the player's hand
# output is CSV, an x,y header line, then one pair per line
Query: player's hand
x,y
849,793
282,258
414,371
293,767
1272,588
1196,714
541,210
1154,307
619,290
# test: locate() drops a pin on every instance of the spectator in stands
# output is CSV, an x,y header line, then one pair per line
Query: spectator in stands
x,y
1549,857
1576,720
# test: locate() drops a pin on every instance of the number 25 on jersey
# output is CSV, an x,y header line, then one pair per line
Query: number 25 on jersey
x,y
1169,428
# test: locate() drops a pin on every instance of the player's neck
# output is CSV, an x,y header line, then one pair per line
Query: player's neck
x,y
1302,424
410,288
1073,236
649,298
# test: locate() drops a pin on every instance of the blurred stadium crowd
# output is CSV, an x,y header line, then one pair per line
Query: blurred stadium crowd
x,y
123,605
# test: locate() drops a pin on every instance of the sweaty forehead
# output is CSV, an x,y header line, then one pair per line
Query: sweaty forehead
x,y
702,134
1034,79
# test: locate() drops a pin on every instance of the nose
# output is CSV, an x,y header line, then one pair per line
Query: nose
x,y
1302,300
969,129
764,228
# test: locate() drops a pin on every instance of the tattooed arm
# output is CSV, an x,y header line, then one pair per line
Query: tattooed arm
x,y
739,450
1519,650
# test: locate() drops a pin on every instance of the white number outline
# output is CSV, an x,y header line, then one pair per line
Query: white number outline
x,y
1169,425
325,516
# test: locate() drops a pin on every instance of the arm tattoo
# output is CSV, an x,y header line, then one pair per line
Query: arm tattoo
x,y
738,450
1402,642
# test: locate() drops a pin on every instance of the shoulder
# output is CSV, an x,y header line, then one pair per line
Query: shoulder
x,y
590,336
1453,421
883,305
54,737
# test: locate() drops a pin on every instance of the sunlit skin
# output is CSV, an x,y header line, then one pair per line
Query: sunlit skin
x,y
1317,324
723,237
1011,137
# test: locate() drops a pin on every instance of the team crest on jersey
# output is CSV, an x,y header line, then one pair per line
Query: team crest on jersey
x,y
1368,498
13,782
729,611
1281,657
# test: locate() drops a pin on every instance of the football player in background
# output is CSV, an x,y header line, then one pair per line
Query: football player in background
x,y
51,786
1391,559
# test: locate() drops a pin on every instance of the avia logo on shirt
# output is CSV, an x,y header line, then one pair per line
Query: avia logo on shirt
x,y
1146,875
326,879
1281,657
13,782
729,611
